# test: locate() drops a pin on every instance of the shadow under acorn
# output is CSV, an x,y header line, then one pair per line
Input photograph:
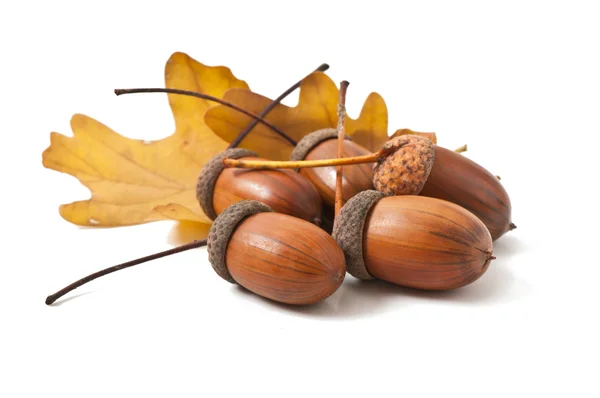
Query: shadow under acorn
x,y
361,299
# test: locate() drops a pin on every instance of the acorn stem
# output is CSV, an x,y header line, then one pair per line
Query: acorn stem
x,y
461,149
341,113
270,107
257,118
302,164
192,245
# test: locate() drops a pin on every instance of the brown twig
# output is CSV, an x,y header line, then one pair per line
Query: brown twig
x,y
121,91
270,107
192,245
339,200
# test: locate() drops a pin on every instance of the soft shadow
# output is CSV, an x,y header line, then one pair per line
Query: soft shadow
x,y
354,299
360,299
186,231
61,301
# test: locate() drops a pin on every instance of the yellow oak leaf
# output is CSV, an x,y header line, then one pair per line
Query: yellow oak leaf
x,y
134,181
316,109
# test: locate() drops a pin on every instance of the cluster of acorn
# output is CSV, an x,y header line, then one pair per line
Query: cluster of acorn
x,y
414,214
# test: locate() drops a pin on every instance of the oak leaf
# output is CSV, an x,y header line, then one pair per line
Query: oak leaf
x,y
134,181
316,109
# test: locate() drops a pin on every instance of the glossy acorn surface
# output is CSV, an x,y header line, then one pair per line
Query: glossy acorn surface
x,y
285,191
425,243
282,258
413,241
460,180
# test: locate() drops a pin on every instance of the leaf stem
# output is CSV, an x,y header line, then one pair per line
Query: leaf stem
x,y
270,107
340,149
192,245
121,91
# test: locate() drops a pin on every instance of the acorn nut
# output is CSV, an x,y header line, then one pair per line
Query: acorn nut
x,y
284,191
412,241
275,255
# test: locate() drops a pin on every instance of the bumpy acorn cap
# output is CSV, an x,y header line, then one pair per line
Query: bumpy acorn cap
x,y
209,174
221,230
348,230
309,141
405,171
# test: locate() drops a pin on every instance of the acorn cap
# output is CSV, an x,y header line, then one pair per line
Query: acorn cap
x,y
309,141
405,171
348,230
209,174
222,228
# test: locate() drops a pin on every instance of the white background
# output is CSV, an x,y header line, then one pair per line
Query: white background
x,y
517,81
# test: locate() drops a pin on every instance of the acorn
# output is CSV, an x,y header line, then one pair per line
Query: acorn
x,y
322,144
419,167
274,255
285,191
412,241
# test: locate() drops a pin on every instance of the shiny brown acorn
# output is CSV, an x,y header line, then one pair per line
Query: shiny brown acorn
x,y
419,167
322,144
274,255
285,191
413,241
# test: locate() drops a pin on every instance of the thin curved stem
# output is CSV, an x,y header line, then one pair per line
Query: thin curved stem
x,y
121,91
192,245
270,107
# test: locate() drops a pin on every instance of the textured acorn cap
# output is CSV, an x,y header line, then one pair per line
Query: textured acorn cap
x,y
405,171
309,141
348,230
220,232
209,175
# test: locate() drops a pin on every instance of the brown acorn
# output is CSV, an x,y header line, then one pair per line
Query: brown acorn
x,y
322,144
419,167
285,191
413,241
274,255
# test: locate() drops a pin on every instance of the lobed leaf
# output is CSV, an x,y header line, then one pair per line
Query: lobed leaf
x,y
133,181
316,109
